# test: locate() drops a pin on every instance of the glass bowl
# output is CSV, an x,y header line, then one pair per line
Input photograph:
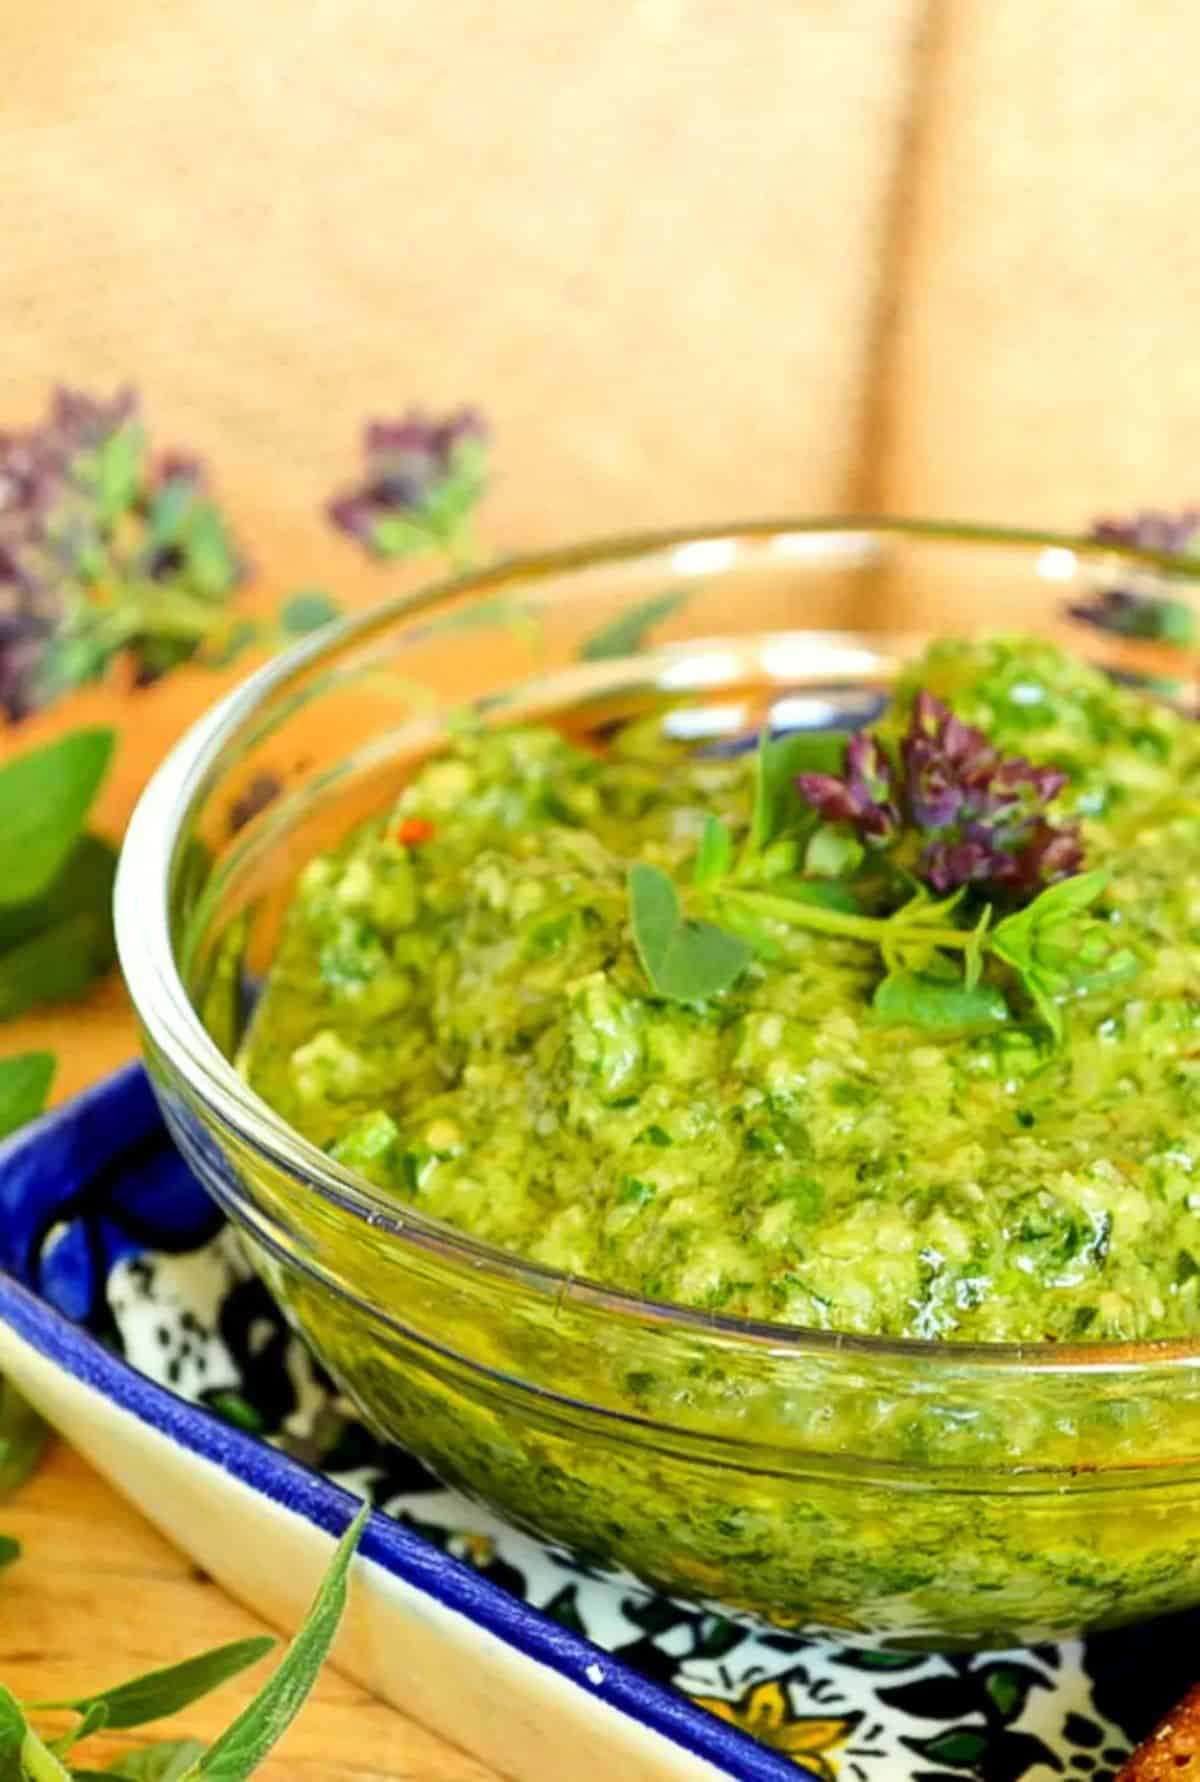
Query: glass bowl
x,y
913,1494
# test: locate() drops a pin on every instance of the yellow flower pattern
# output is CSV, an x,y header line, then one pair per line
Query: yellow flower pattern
x,y
765,1712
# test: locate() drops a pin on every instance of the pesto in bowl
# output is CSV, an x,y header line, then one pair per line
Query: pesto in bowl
x,y
458,1011
856,1294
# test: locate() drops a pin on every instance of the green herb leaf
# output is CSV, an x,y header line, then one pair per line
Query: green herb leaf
x,y
240,1750
631,631
25,1081
779,760
308,611
715,855
23,1438
166,1691
45,796
56,966
166,1761
685,960
85,882
9,1550
919,1000
12,1736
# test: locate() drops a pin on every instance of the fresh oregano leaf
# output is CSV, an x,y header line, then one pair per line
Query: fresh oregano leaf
x,y
779,760
12,1737
23,1438
918,1000
715,855
240,1749
45,794
159,1693
307,611
25,1081
631,631
685,960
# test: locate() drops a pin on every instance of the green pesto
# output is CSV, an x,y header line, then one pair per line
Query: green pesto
x,y
465,1021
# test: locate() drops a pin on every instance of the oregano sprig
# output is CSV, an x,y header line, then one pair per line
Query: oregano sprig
x,y
941,857
26,1755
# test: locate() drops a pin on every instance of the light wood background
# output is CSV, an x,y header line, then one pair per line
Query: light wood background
x,y
693,258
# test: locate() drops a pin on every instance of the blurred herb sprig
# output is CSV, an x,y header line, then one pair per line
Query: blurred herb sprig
x,y
423,477
30,1755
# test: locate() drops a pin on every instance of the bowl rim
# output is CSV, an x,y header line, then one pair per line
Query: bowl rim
x,y
174,1031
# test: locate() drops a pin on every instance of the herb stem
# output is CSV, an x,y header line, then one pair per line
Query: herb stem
x,y
874,930
39,1762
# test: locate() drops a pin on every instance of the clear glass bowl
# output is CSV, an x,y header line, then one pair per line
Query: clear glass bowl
x,y
919,1494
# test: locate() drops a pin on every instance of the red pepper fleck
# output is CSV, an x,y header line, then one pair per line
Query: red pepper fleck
x,y
411,831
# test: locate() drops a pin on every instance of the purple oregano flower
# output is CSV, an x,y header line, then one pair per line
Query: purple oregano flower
x,y
415,467
979,819
85,512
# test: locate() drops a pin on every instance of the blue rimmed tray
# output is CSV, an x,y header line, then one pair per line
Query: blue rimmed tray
x,y
128,1314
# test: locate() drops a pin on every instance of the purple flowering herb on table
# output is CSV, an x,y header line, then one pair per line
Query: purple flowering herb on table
x,y
424,476
1138,605
953,811
107,552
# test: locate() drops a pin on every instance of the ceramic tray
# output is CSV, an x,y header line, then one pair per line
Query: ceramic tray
x,y
128,1315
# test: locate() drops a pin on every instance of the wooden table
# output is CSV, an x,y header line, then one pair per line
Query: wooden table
x,y
98,1594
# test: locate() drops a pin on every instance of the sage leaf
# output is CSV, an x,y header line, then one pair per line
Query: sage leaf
x,y
12,1737
631,631
685,960
45,795
916,999
25,1081
715,855
159,1693
779,760
57,965
308,611
23,1438
84,882
244,1745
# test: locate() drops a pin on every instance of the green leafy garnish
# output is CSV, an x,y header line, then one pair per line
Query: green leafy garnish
x,y
919,999
684,959
829,856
